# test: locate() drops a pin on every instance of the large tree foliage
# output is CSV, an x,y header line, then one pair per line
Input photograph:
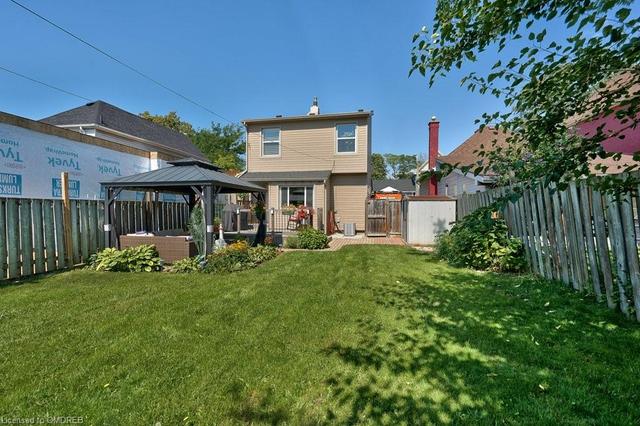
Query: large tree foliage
x,y
548,86
378,166
222,145
171,120
401,165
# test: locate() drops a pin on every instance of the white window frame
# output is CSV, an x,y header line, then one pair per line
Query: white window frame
x,y
301,185
262,142
355,139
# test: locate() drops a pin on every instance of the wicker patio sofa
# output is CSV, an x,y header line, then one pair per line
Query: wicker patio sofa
x,y
171,245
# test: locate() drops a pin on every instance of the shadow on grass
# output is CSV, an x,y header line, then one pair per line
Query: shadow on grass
x,y
463,346
33,279
256,406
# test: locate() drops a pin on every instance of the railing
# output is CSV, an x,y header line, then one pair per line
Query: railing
x,y
578,236
278,220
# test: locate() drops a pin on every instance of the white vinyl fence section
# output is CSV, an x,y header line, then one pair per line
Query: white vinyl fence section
x,y
424,218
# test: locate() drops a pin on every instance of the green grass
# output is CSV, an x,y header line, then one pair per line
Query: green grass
x,y
368,334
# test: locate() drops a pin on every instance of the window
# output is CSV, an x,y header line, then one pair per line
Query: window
x,y
296,195
346,138
271,141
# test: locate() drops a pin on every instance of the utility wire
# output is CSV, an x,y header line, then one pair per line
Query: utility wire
x,y
43,83
113,58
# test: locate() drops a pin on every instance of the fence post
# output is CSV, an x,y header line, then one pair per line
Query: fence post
x,y
617,241
66,219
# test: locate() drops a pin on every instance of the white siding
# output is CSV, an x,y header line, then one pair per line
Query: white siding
x,y
456,184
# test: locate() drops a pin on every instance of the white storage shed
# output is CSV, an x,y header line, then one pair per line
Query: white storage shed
x,y
425,216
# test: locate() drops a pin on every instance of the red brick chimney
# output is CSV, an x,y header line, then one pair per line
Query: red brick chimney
x,y
434,130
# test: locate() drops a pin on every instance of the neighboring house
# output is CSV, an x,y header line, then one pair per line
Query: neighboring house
x,y
317,160
33,155
109,122
623,134
458,182
406,187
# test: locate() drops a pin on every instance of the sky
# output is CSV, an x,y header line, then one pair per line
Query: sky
x,y
241,59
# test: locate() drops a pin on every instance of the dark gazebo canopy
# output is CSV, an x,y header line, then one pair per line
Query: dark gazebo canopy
x,y
181,176
195,180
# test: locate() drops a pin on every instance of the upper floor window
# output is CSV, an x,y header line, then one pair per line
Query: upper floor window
x,y
271,141
346,138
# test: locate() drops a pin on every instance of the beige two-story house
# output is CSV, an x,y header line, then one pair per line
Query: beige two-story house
x,y
316,160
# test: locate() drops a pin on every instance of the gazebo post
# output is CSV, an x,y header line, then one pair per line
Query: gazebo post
x,y
110,195
209,193
156,211
148,222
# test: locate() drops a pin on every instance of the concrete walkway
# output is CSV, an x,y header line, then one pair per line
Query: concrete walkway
x,y
338,241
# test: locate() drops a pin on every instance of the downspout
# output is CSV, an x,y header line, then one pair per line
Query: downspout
x,y
325,213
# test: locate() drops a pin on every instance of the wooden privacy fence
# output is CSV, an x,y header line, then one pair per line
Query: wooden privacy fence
x,y
384,217
32,231
578,236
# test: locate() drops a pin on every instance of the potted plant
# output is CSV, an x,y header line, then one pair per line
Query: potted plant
x,y
289,210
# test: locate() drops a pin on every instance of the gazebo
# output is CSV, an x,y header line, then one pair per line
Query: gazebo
x,y
196,180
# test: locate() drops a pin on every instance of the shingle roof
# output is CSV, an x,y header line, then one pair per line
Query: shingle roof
x,y
181,175
402,185
106,115
314,175
318,117
486,139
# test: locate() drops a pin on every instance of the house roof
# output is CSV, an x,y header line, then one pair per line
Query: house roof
x,y
401,185
319,117
100,113
314,175
466,153
622,87
181,175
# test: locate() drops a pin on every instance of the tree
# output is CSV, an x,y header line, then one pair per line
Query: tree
x,y
402,165
171,120
548,86
222,145
378,166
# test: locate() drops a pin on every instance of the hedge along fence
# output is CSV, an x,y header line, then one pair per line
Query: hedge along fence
x,y
579,236
32,231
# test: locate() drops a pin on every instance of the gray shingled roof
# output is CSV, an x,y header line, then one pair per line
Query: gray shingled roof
x,y
402,185
106,115
314,175
181,175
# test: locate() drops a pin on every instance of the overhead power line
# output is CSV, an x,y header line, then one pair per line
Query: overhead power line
x,y
43,83
124,64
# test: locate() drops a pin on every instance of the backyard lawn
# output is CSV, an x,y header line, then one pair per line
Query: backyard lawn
x,y
367,334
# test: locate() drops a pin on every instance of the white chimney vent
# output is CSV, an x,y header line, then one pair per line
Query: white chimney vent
x,y
315,109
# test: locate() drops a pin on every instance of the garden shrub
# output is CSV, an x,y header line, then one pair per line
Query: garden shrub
x,y
312,239
238,256
260,254
143,258
482,242
292,242
190,264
